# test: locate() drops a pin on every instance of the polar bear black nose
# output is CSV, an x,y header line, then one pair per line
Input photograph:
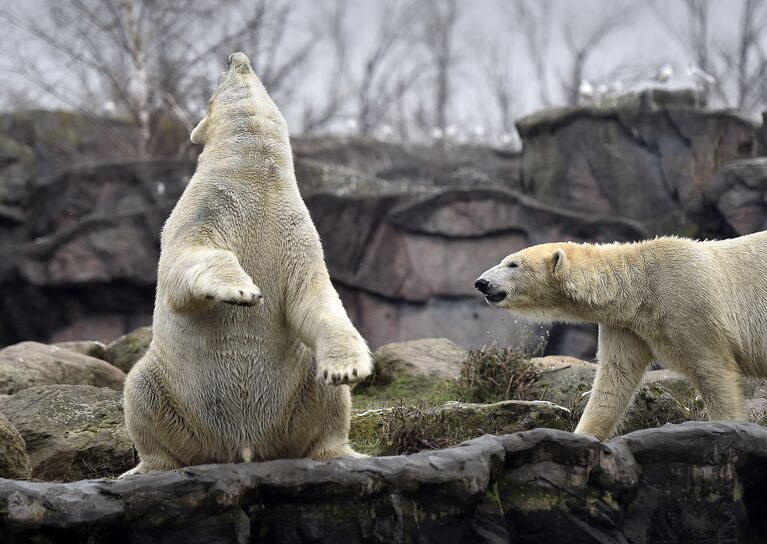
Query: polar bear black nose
x,y
481,285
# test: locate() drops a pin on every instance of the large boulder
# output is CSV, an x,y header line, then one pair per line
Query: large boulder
x,y
696,482
648,156
14,461
429,357
562,380
91,348
129,348
72,432
30,363
739,192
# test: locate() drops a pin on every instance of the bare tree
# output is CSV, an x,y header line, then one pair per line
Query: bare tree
x,y
744,63
498,71
381,84
533,19
438,30
140,58
333,27
582,43
693,35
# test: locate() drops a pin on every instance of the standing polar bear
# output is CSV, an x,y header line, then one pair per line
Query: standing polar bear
x,y
697,307
251,342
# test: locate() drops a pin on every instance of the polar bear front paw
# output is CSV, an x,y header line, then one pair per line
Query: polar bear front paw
x,y
344,370
243,295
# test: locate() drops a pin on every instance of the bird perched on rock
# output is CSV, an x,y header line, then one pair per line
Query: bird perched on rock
x,y
700,80
586,91
664,73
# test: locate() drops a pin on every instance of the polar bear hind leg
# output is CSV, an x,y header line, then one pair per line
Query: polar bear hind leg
x,y
721,388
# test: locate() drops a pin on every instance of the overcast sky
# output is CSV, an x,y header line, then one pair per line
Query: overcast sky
x,y
641,44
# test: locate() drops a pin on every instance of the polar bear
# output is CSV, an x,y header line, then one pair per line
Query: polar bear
x,y
251,344
697,307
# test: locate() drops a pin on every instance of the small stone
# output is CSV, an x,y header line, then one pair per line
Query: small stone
x,y
14,462
129,348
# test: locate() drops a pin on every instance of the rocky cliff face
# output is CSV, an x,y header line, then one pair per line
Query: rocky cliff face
x,y
406,229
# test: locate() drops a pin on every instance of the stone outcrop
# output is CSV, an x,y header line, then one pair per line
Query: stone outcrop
x,y
739,192
125,351
696,482
72,432
29,364
428,357
650,157
91,348
14,461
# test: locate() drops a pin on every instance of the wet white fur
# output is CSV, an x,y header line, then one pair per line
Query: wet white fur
x,y
230,376
697,307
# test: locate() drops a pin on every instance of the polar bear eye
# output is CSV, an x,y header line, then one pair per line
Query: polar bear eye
x,y
513,265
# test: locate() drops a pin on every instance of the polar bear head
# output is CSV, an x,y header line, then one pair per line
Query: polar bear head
x,y
239,97
532,282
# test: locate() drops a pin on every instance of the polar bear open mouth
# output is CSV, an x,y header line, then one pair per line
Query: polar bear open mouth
x,y
498,296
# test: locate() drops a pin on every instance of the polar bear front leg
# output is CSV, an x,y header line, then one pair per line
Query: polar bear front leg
x,y
200,274
623,359
317,314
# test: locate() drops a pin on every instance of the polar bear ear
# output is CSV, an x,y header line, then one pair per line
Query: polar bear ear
x,y
558,261
200,133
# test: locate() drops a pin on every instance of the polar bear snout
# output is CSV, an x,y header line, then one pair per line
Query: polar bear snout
x,y
482,285
239,62
492,293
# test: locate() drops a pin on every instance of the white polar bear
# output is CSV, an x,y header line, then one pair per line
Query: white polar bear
x,y
251,343
697,307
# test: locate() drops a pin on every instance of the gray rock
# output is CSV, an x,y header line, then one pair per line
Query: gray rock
x,y
29,364
91,348
129,348
672,381
72,432
594,158
14,461
562,380
757,411
739,190
537,486
654,406
429,357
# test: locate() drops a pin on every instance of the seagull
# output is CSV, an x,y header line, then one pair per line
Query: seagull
x,y
478,131
699,77
700,80
665,73
436,133
616,87
351,126
386,131
585,90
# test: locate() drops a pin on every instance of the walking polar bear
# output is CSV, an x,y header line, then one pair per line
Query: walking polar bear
x,y
697,307
251,342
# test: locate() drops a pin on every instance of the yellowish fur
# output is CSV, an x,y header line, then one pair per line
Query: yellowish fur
x,y
697,307
251,343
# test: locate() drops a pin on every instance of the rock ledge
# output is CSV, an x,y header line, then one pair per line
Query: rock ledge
x,y
701,482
